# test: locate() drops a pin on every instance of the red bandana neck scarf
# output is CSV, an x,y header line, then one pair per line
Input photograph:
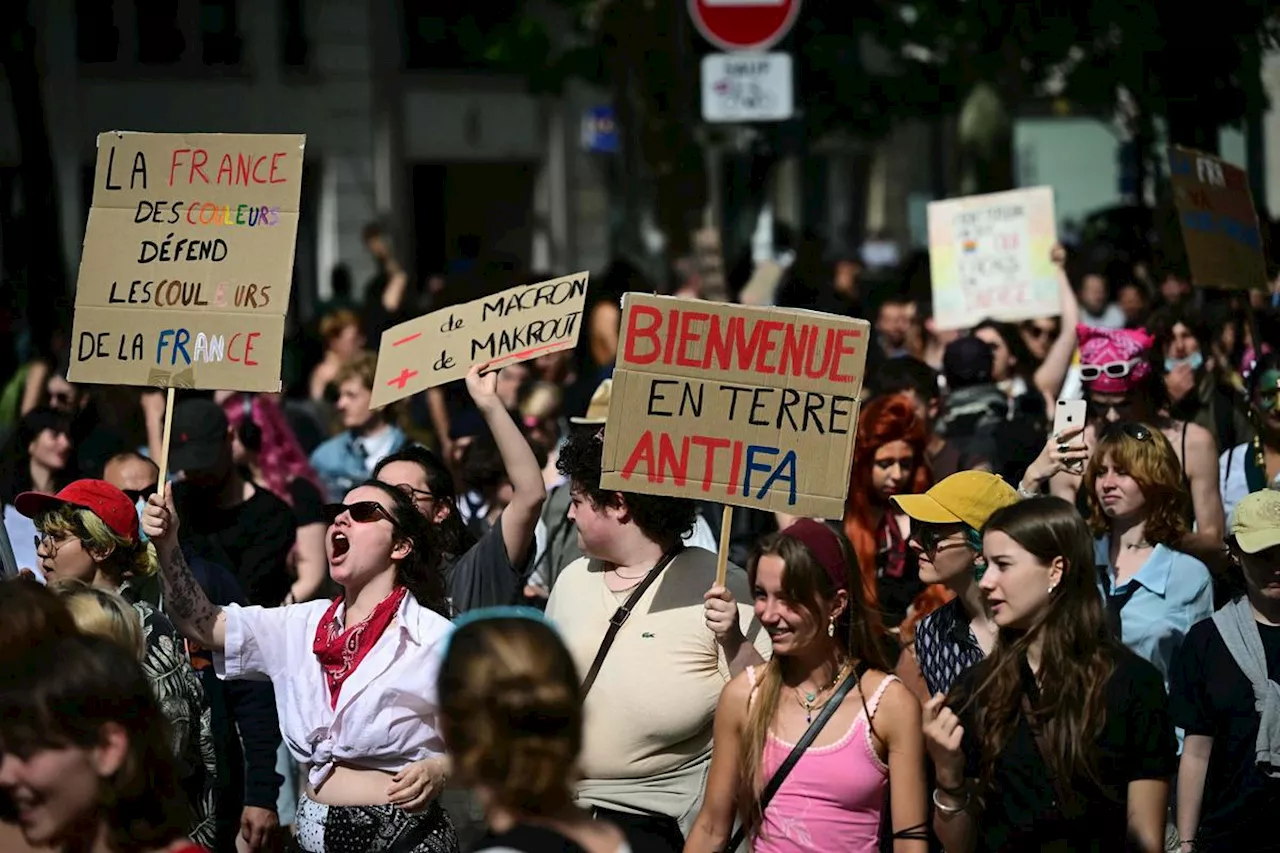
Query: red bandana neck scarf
x,y
340,652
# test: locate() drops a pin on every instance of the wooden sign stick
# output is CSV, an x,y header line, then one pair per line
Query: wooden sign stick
x,y
163,461
722,558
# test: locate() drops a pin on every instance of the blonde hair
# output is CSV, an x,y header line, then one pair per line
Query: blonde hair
x,y
511,707
124,558
102,613
363,367
542,400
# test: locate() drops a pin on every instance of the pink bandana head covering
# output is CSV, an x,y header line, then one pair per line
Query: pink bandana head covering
x,y
1100,347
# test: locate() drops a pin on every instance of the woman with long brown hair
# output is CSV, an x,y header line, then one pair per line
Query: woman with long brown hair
x,y
888,460
1061,738
833,798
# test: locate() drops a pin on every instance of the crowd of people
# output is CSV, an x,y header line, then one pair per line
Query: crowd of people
x,y
429,628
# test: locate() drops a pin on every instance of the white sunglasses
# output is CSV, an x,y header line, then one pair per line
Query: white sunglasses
x,y
1114,369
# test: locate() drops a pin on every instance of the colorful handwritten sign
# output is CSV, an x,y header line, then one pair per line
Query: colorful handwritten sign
x,y
509,327
1218,219
187,261
990,257
754,407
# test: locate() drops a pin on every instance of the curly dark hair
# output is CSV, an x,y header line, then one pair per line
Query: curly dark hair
x,y
422,571
665,520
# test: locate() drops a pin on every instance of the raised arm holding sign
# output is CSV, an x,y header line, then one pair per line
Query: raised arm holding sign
x,y
187,263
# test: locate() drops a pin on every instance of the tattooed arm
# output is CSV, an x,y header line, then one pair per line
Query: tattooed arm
x,y
195,616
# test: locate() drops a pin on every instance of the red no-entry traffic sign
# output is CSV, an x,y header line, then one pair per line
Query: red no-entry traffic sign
x,y
743,24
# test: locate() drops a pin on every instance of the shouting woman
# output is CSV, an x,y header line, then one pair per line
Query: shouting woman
x,y
354,678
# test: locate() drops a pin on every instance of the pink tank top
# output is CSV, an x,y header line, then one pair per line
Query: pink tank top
x,y
833,799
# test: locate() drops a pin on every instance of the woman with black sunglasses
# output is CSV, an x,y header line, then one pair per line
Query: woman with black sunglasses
x,y
355,677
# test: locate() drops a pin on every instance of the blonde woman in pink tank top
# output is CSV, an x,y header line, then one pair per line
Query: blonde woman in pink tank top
x,y
808,599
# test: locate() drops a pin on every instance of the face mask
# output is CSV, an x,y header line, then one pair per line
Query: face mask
x,y
139,507
1194,361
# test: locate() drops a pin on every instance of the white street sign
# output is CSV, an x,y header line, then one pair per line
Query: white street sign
x,y
742,87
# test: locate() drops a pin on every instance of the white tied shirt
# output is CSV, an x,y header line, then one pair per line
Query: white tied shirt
x,y
387,711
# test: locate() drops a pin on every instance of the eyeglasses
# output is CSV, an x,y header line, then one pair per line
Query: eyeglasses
x,y
1113,369
142,494
1038,332
1136,431
361,512
415,494
50,545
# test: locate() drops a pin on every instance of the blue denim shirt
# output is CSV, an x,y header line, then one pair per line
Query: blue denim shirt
x,y
342,464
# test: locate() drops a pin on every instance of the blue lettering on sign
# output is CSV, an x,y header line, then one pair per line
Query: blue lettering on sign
x,y
1208,222
784,471
1179,164
181,337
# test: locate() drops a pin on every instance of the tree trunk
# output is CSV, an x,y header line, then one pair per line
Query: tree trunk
x,y
45,277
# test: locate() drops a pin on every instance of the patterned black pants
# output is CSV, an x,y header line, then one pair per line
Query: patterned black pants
x,y
375,829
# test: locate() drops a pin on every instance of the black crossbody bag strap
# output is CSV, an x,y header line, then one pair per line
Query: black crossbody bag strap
x,y
810,735
619,617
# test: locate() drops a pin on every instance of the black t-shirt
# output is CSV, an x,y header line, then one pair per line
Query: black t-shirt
x,y
484,575
308,503
1137,742
251,539
1209,695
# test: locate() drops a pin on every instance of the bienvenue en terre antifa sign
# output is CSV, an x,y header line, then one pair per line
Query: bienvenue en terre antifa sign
x,y
754,407
188,261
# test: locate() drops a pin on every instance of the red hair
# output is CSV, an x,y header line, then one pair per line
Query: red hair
x,y
883,420
280,457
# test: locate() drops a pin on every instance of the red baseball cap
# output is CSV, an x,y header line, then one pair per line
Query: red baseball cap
x,y
98,496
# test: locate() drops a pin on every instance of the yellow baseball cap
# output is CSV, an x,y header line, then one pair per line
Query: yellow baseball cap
x,y
1255,522
968,497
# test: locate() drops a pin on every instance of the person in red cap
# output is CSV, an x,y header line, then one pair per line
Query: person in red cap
x,y
89,532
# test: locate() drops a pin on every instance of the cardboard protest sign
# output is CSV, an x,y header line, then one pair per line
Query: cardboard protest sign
x,y
754,407
508,327
990,257
1218,219
709,255
187,261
